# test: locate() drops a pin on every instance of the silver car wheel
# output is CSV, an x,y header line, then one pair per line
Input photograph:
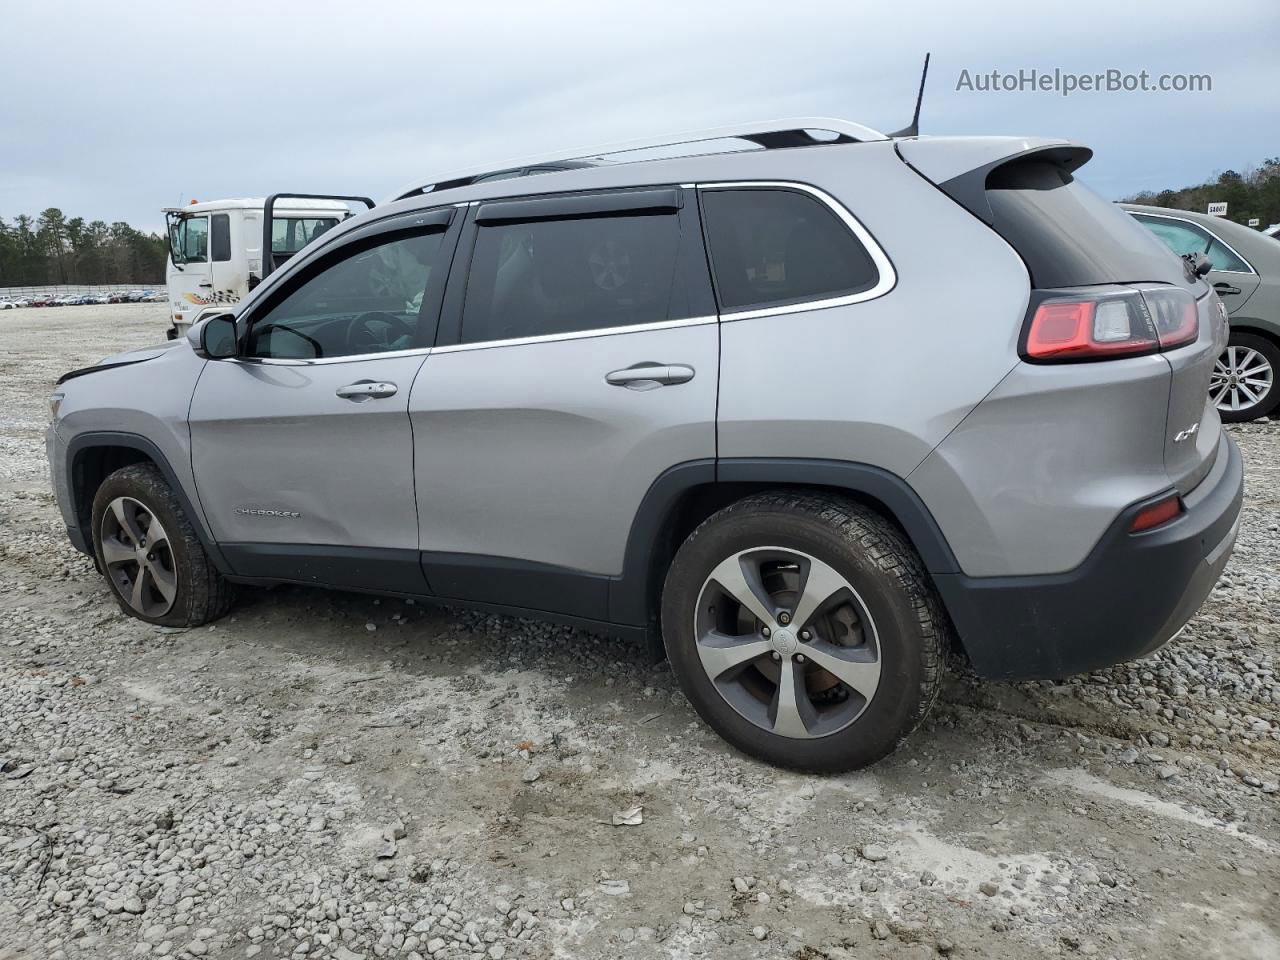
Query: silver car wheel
x,y
787,642
138,557
1241,378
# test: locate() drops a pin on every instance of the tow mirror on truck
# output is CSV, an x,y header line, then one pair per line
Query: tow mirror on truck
x,y
215,337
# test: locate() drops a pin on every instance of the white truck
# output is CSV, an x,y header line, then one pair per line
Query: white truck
x,y
216,248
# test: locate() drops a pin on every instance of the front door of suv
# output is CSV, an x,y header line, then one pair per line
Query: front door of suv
x,y
578,360
301,447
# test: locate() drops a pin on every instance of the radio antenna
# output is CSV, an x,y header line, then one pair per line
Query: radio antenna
x,y
914,129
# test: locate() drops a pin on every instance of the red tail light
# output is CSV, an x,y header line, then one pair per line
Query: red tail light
x,y
1110,324
1153,516
1175,315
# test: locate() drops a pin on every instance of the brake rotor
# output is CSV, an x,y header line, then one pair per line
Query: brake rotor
x,y
840,626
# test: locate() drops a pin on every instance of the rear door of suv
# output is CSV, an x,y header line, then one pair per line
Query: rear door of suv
x,y
577,361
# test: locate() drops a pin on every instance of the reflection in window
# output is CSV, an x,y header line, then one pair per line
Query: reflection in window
x,y
190,240
780,246
291,234
367,302
563,276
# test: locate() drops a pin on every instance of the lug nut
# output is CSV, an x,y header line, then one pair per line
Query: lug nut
x,y
799,658
776,655
806,635
784,618
765,631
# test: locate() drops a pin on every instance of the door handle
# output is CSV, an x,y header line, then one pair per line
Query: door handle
x,y
649,376
363,390
1225,288
206,283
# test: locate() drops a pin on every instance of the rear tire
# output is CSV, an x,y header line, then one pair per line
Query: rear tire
x,y
148,551
1254,364
838,610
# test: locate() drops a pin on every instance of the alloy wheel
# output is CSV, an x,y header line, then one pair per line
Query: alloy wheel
x,y
787,642
1241,378
138,557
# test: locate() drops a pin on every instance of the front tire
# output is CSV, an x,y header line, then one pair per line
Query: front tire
x,y
804,630
1245,383
149,553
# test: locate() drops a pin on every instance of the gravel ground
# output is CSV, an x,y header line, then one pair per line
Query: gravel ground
x,y
332,775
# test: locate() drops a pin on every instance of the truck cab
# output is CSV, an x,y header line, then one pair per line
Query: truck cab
x,y
216,247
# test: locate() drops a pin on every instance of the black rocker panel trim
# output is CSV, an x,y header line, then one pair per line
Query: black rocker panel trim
x,y
517,583
382,570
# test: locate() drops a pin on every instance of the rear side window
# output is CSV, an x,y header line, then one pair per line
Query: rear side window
x,y
1183,237
773,247
543,277
220,239
1068,235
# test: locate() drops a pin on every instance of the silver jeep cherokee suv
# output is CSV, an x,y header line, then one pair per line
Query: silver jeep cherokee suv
x,y
811,411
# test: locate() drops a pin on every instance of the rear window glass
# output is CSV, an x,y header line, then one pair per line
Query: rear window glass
x,y
565,276
772,247
1068,235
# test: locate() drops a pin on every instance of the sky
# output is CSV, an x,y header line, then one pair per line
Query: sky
x,y
111,111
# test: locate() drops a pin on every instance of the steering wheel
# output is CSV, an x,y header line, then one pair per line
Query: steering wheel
x,y
376,330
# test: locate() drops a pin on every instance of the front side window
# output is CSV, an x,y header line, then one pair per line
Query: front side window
x,y
189,240
291,234
368,301
771,247
573,275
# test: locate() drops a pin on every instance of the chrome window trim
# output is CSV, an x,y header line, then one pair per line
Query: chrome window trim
x,y
1251,272
888,277
318,361
578,334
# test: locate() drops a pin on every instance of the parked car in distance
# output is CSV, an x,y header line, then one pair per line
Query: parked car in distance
x,y
673,399
1245,383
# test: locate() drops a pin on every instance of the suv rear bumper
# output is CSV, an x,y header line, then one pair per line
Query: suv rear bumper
x,y
1130,595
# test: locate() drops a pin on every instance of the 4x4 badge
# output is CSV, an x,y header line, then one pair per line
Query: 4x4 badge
x,y
1186,434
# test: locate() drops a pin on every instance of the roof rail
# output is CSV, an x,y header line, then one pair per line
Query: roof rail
x,y
770,134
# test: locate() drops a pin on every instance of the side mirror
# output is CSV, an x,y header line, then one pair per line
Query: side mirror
x,y
215,337
1198,265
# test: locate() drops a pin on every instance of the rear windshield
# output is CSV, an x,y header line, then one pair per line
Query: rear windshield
x,y
1068,235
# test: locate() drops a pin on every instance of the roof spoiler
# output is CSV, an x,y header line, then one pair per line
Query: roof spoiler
x,y
960,166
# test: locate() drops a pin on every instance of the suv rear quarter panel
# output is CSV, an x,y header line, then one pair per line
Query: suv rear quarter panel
x,y
882,381
1029,482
